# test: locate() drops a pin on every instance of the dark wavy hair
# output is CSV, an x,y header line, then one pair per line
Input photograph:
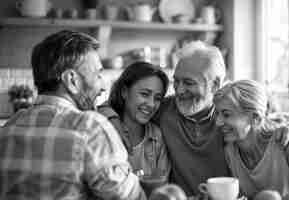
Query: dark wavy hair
x,y
133,73
55,54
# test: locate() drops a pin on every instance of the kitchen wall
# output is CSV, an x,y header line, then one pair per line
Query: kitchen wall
x,y
240,37
16,43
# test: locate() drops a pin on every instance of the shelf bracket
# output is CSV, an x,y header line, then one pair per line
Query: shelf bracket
x,y
102,34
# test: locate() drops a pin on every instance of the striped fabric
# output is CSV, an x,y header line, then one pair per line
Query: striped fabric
x,y
54,151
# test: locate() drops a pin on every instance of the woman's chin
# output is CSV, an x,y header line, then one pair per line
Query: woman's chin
x,y
143,120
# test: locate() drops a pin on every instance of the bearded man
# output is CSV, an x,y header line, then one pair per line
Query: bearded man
x,y
187,119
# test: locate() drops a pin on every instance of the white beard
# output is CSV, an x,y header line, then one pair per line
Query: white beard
x,y
189,108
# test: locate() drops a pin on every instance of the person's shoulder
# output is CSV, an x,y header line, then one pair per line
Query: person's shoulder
x,y
93,118
166,108
106,110
93,122
168,100
167,103
155,128
100,131
155,131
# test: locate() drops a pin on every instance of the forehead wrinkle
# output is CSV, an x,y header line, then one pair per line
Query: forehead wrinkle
x,y
194,65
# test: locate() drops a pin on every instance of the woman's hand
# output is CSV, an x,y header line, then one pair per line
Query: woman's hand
x,y
282,136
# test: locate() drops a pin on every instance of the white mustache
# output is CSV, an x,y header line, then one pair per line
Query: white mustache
x,y
190,97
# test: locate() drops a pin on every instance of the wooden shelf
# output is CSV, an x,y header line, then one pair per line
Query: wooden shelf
x,y
86,23
102,29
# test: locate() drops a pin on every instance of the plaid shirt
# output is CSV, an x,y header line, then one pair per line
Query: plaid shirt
x,y
55,151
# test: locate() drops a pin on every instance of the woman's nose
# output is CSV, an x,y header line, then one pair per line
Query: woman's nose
x,y
219,120
151,101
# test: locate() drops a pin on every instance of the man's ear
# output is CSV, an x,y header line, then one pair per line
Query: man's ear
x,y
71,80
216,85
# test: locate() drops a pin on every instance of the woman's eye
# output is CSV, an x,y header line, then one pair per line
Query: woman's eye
x,y
226,115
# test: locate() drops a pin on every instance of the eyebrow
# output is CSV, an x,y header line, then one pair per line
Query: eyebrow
x,y
185,79
148,90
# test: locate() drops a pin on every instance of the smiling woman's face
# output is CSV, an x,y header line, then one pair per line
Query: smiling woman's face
x,y
234,124
143,99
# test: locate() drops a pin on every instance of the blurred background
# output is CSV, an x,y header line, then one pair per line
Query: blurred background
x,y
252,34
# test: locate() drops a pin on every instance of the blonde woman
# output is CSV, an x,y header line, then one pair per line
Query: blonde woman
x,y
258,162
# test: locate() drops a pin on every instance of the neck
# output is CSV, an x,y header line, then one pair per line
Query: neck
x,y
251,150
60,94
136,130
202,113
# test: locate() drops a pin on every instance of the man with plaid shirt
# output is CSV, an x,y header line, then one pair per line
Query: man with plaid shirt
x,y
58,149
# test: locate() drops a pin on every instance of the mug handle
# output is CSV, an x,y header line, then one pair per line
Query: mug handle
x,y
18,5
203,188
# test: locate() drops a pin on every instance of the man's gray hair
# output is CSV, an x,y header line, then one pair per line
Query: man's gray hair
x,y
209,52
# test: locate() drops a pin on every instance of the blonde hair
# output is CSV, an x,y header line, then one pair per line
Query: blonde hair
x,y
212,54
248,95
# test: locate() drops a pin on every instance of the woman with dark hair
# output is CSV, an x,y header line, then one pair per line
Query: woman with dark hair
x,y
134,99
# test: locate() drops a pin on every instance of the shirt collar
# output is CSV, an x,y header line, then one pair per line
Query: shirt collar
x,y
149,132
203,116
54,100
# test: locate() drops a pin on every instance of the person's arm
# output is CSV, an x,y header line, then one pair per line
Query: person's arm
x,y
281,135
286,151
107,171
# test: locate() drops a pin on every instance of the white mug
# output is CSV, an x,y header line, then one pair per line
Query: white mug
x,y
33,8
221,188
111,11
90,13
141,12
